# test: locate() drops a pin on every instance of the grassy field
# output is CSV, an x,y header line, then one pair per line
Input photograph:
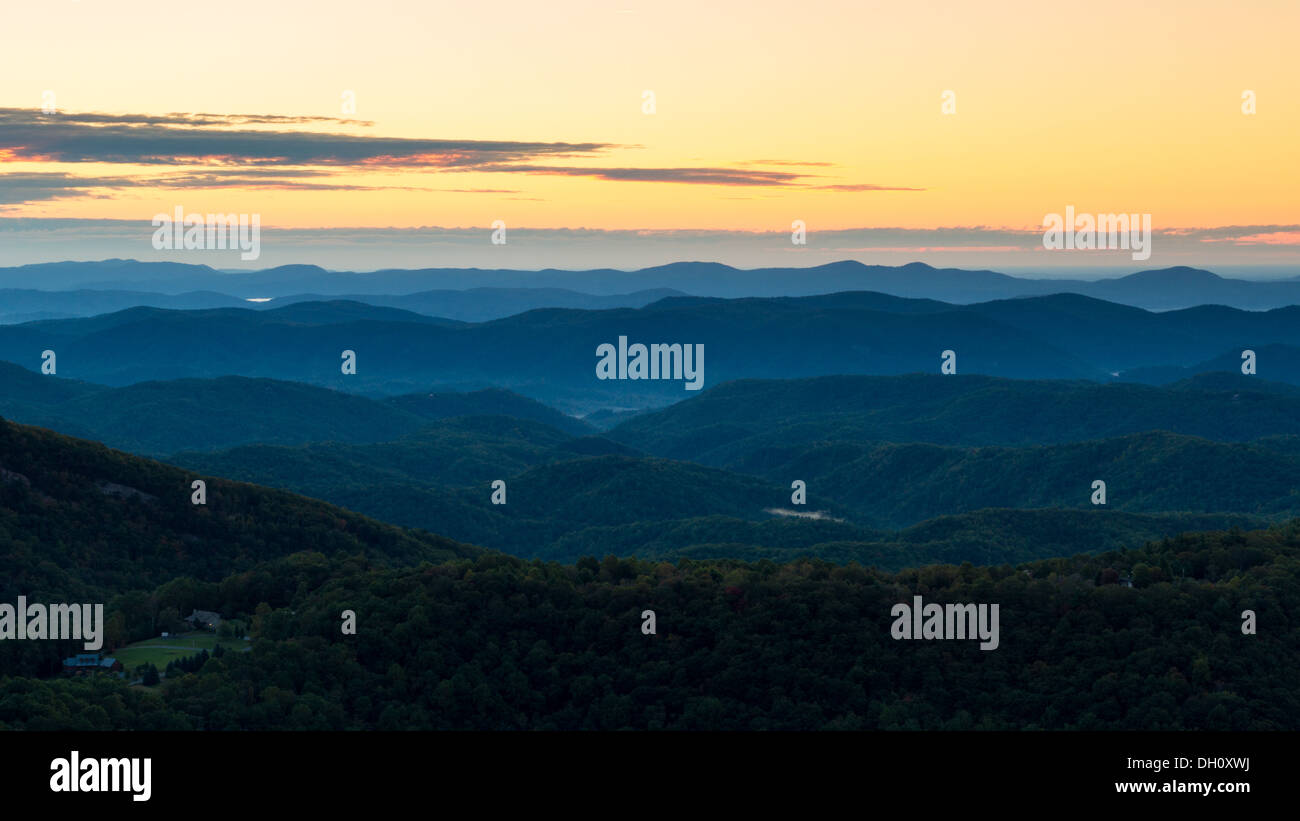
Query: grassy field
x,y
159,651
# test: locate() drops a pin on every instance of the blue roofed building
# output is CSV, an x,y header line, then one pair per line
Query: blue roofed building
x,y
84,664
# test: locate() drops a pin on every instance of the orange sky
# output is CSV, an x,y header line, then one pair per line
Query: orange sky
x,y
1126,106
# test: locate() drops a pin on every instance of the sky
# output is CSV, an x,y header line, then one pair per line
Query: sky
x,y
633,133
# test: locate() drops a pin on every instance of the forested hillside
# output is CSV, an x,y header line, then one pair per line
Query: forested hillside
x,y
766,619
161,417
80,520
746,416
568,497
502,643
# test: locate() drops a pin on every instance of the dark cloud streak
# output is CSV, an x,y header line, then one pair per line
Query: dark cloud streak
x,y
71,138
698,176
221,151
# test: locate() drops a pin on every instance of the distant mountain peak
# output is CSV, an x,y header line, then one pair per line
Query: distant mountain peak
x,y
690,264
294,269
1178,273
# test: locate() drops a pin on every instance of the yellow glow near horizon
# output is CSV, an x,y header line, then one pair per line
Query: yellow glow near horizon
x,y
1120,107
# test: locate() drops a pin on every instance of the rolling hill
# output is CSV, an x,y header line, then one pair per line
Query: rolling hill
x,y
483,304
1162,289
78,520
1147,638
550,354
741,418
157,418
569,496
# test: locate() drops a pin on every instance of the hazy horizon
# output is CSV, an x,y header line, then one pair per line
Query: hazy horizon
x,y
617,137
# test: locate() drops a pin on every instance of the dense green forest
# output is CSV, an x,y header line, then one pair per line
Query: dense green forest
x,y
78,518
730,421
446,453
575,496
80,521
878,454
763,621
983,537
159,418
502,643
